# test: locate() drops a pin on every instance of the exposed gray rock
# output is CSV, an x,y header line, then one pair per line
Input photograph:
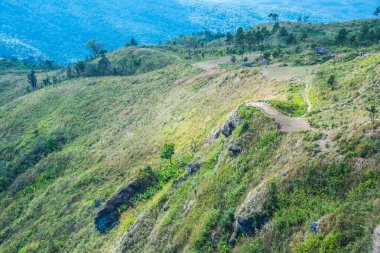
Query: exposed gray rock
x,y
178,183
98,202
284,175
376,240
212,137
314,226
249,216
216,134
166,207
231,123
235,149
192,168
107,217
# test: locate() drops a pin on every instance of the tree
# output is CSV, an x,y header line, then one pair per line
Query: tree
x,y
32,80
267,55
250,39
95,46
290,39
229,39
168,151
133,42
364,32
372,112
304,36
276,27
274,17
331,81
377,12
80,67
283,32
69,73
104,65
240,37
233,59
49,64
341,38
265,32
46,81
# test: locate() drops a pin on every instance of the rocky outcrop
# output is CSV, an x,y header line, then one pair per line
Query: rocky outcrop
x,y
250,215
231,123
192,168
107,217
235,149
178,182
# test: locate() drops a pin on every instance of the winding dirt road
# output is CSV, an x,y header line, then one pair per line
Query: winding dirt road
x,y
286,123
210,68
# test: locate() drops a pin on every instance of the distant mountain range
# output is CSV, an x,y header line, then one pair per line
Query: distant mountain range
x,y
57,29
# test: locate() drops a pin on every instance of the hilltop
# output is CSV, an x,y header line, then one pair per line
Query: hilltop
x,y
86,162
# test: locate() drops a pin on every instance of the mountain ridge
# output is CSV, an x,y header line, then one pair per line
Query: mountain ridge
x,y
59,29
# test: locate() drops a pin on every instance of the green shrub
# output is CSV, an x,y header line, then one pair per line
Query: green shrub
x,y
289,108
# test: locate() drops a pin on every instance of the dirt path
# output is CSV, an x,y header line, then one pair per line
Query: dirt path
x,y
306,94
376,240
286,123
289,124
211,68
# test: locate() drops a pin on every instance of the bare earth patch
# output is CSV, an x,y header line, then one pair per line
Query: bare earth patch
x,y
211,68
286,123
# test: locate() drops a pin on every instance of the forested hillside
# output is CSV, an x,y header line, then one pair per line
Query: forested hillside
x,y
56,30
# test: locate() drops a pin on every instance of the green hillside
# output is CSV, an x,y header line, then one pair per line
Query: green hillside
x,y
67,148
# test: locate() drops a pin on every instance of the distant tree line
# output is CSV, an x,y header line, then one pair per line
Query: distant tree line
x,y
265,37
365,37
197,40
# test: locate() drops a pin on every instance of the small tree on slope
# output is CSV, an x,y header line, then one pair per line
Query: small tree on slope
x,y
32,80
168,151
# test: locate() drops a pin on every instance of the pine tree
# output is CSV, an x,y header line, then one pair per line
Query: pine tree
x,y
250,39
32,80
229,39
276,27
283,32
95,46
104,66
331,81
377,12
240,37
290,39
341,38
133,42
274,17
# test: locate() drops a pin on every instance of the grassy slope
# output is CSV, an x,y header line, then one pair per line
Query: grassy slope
x,y
114,125
340,192
104,146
